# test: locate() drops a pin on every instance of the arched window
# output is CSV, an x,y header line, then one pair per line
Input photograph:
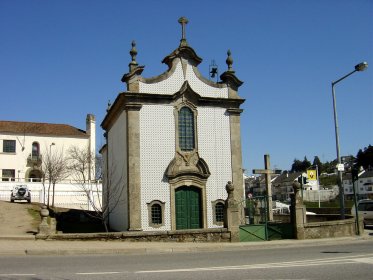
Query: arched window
x,y
186,129
156,214
35,149
219,212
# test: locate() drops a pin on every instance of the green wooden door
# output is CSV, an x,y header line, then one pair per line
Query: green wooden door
x,y
188,208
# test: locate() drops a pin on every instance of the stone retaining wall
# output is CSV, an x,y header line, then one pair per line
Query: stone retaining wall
x,y
330,229
198,235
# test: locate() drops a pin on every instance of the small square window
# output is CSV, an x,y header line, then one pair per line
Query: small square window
x,y
9,146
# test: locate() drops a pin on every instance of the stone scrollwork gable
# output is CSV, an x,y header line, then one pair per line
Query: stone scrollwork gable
x,y
187,166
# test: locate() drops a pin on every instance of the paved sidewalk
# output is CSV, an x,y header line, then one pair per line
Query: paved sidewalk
x,y
27,245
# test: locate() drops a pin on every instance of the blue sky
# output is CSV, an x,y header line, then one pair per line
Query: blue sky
x,y
60,60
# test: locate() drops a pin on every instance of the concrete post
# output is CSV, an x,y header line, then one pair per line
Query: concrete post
x,y
44,228
232,214
297,212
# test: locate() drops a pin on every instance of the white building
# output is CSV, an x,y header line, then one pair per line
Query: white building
x,y
363,186
173,143
22,145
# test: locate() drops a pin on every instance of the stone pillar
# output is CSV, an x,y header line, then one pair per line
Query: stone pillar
x,y
232,214
134,180
297,212
44,228
236,152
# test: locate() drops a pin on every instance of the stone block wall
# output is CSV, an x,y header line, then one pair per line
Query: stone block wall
x,y
330,229
198,235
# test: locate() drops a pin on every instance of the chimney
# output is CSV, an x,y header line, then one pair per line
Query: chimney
x,y
91,132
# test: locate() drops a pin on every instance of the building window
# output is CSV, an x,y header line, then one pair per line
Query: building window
x,y
156,213
219,212
9,146
8,175
218,208
35,149
186,129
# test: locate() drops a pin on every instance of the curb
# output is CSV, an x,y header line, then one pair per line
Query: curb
x,y
17,237
28,246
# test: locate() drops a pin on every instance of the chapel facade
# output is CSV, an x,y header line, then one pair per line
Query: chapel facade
x,y
172,144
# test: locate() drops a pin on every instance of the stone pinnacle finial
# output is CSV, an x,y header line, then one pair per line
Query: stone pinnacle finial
x,y
183,21
229,61
133,53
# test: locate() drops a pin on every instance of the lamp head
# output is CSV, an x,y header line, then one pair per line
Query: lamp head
x,y
361,66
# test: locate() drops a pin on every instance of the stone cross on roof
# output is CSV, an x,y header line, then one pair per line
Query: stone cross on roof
x,y
183,21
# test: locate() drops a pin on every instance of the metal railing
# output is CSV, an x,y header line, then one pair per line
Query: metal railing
x,y
74,196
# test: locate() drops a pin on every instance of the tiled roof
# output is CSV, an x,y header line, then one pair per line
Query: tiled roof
x,y
40,129
367,174
287,177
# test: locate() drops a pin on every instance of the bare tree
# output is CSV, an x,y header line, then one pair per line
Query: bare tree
x,y
99,161
87,171
81,164
54,170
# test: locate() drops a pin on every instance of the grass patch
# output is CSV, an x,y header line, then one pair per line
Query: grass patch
x,y
34,212
327,204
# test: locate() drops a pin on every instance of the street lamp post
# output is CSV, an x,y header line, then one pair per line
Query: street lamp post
x,y
50,147
359,67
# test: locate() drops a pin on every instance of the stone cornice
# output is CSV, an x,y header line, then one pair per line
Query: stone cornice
x,y
231,79
135,72
206,81
234,111
165,75
133,100
183,52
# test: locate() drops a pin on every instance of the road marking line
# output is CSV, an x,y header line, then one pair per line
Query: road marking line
x,y
314,262
243,267
14,274
98,273
364,260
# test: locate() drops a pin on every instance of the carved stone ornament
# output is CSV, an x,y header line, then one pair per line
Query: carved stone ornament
x,y
229,187
296,187
188,165
230,202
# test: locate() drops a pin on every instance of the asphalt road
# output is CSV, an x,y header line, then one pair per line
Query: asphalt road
x,y
353,260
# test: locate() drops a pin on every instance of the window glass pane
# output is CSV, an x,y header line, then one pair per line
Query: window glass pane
x,y
8,174
9,146
186,129
35,149
369,207
156,214
361,207
219,212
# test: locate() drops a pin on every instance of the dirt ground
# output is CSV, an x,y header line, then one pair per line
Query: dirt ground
x,y
15,218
